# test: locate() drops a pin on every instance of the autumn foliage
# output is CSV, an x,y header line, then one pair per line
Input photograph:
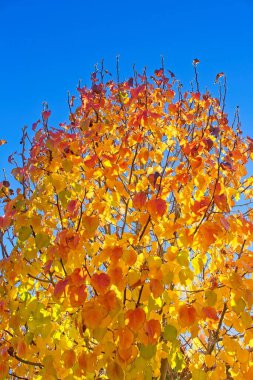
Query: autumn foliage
x,y
126,245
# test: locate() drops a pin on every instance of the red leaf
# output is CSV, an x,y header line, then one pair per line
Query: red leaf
x,y
215,131
91,162
34,126
226,165
6,183
195,95
97,88
159,72
221,202
199,207
47,266
45,115
208,143
153,178
139,200
72,205
4,221
60,287
210,312
173,108
10,158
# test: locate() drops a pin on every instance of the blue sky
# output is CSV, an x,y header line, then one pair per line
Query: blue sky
x,y
47,46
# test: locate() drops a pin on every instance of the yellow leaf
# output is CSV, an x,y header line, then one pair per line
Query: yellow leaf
x,y
58,181
210,360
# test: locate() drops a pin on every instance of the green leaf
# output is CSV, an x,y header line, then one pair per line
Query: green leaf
x,y
42,240
177,361
148,373
170,333
147,352
180,364
24,233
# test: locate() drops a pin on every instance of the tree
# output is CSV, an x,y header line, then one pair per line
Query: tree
x,y
127,244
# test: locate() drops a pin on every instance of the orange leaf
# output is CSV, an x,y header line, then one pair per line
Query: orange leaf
x,y
108,300
135,318
72,239
187,315
77,278
21,348
4,369
77,295
90,223
114,371
69,358
221,202
116,276
83,361
127,355
93,314
100,282
87,361
47,266
115,253
209,232
224,223
153,330
130,257
196,162
126,337
157,207
156,287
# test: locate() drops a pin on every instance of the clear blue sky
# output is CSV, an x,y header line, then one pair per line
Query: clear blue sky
x,y
47,46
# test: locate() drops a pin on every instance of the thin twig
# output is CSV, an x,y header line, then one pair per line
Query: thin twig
x,y
14,355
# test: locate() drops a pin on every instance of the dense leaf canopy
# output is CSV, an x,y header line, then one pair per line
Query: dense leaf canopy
x,y
126,246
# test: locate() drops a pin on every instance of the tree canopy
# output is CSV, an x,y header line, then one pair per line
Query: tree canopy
x,y
127,243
